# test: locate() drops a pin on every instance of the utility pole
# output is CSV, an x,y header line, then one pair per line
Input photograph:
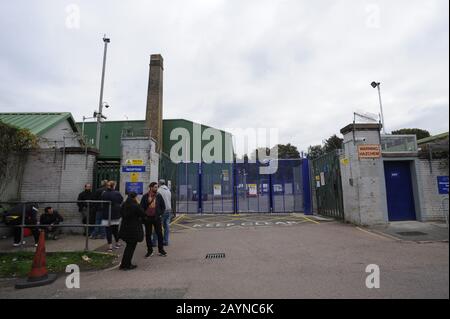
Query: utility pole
x,y
100,103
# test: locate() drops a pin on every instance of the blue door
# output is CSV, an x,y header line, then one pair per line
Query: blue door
x,y
400,198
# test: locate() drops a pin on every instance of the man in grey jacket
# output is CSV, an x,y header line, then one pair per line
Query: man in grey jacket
x,y
167,196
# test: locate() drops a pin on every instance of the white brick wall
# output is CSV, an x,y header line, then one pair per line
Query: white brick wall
x,y
431,202
46,178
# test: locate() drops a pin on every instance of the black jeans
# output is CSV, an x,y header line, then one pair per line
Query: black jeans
x,y
128,254
112,230
18,234
149,223
53,230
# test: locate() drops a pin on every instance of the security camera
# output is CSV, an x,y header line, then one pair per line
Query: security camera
x,y
360,139
106,105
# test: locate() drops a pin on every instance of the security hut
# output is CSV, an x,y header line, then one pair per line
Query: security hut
x,y
56,170
386,178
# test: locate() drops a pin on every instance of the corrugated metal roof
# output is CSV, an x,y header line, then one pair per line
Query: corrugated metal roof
x,y
433,138
37,123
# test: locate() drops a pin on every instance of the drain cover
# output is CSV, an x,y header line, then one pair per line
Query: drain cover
x,y
215,256
411,233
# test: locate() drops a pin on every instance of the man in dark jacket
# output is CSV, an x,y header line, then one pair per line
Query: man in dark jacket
x,y
112,222
154,207
99,232
13,217
87,209
131,229
50,219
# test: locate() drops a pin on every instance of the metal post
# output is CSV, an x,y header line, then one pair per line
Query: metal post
x,y
64,153
221,189
381,109
100,103
86,247
109,214
430,151
23,225
86,155
212,202
82,126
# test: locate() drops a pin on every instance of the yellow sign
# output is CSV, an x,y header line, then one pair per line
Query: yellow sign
x,y
369,151
345,161
134,177
136,162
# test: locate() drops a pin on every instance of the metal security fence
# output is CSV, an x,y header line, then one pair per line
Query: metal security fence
x,y
241,188
328,186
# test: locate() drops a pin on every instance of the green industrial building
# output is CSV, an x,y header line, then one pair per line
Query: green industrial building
x,y
112,131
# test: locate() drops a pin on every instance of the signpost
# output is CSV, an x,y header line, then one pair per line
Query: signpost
x,y
133,169
443,185
137,187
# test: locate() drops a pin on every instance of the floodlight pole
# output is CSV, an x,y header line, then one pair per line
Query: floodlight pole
x,y
377,85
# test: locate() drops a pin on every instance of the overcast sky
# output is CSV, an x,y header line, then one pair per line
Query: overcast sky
x,y
301,66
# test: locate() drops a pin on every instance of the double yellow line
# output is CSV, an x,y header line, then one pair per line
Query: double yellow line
x,y
177,219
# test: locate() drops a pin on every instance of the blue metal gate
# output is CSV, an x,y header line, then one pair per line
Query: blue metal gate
x,y
241,188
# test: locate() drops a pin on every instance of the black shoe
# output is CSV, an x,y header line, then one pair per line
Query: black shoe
x,y
163,253
131,267
149,254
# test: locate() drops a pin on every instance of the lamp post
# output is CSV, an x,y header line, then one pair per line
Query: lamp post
x,y
100,103
377,85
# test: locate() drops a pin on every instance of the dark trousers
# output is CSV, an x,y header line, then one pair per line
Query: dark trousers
x,y
92,221
53,230
18,234
128,254
110,231
153,222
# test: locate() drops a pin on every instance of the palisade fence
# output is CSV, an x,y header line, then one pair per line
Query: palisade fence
x,y
328,186
242,188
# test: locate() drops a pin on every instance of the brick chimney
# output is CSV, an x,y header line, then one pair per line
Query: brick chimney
x,y
154,112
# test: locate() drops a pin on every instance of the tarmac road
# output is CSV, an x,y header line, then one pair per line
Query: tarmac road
x,y
308,259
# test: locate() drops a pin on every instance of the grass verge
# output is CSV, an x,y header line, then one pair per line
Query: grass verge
x,y
18,264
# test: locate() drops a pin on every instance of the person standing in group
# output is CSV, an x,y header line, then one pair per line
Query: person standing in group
x,y
167,196
99,232
130,229
112,228
13,217
87,209
153,205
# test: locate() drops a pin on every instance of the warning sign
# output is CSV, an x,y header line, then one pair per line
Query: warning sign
x,y
217,189
369,151
134,177
134,162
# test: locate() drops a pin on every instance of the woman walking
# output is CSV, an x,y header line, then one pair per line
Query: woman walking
x,y
116,200
131,229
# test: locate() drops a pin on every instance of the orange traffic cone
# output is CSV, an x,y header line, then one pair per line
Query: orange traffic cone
x,y
38,276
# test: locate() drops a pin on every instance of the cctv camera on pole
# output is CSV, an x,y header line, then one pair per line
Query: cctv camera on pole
x,y
100,104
